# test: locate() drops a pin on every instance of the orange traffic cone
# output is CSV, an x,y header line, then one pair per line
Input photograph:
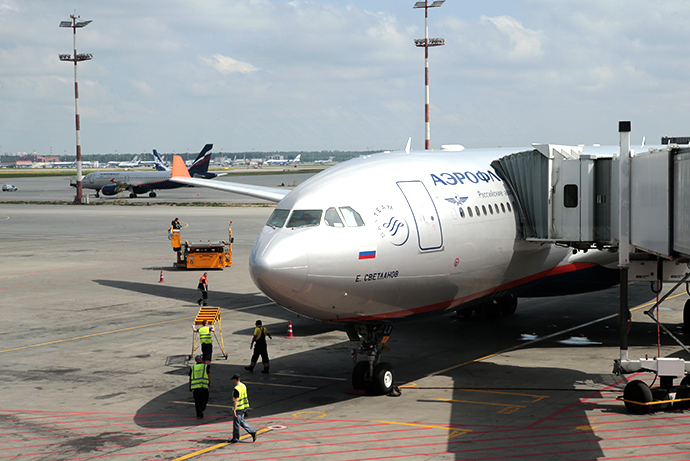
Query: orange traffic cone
x,y
161,279
290,335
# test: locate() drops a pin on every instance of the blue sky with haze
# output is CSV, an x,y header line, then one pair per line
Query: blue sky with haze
x,y
270,75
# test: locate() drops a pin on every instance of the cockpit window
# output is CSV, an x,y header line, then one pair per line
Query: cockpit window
x,y
304,218
278,218
351,217
332,218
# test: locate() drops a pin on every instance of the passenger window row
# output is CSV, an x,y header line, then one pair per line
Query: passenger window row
x,y
334,217
471,212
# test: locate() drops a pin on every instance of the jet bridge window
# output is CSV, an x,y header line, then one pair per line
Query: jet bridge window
x,y
278,218
304,218
570,195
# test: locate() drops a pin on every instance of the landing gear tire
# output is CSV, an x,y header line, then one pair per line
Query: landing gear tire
x,y
152,194
359,375
382,381
637,391
132,195
686,316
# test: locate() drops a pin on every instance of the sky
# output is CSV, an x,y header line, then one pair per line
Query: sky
x,y
345,75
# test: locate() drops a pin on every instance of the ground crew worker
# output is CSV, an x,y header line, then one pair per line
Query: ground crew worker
x,y
199,383
203,287
205,339
240,407
175,224
261,348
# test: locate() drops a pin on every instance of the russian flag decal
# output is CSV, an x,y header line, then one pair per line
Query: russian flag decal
x,y
367,253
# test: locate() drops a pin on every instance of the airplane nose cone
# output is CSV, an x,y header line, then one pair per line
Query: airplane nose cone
x,y
278,267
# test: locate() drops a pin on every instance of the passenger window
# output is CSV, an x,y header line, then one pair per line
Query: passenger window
x,y
332,218
304,218
484,210
503,208
462,212
476,208
469,211
491,210
351,217
508,206
278,218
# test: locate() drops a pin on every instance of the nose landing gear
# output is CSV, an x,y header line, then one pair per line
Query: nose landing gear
x,y
371,375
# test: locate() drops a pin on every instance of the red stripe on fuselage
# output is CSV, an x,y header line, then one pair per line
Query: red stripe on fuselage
x,y
558,270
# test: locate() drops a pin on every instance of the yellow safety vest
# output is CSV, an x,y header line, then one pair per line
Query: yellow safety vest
x,y
199,376
243,400
205,335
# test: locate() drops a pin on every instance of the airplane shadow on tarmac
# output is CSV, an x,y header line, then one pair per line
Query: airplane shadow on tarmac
x,y
432,346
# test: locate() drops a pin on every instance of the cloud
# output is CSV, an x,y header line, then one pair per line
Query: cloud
x,y
226,65
526,43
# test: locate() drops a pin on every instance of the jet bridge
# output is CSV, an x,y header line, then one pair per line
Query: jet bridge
x,y
637,204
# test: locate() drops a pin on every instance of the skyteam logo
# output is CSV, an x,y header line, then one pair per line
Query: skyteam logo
x,y
391,225
457,200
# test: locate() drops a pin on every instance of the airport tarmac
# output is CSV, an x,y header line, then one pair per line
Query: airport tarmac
x,y
94,344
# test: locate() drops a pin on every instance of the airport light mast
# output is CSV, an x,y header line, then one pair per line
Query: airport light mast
x,y
76,23
426,43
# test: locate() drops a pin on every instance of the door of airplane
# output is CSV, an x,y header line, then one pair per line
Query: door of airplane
x,y
429,233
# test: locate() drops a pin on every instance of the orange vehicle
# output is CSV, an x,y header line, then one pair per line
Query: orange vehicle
x,y
202,255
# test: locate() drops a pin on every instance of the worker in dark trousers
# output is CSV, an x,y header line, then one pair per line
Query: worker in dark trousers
x,y
261,348
205,339
240,406
203,287
199,384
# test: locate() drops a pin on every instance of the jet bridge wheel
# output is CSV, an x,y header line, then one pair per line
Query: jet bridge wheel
x,y
637,391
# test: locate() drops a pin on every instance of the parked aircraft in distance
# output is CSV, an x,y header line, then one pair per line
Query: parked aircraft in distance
x,y
159,164
282,161
321,162
421,232
134,163
140,182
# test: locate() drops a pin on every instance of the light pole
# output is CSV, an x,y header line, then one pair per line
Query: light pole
x,y
426,43
75,24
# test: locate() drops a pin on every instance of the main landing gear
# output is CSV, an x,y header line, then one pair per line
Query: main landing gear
x,y
371,375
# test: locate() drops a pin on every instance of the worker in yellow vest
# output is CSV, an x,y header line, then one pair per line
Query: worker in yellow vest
x,y
206,339
199,384
240,407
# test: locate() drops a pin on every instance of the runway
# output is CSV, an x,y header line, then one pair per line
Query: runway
x,y
93,351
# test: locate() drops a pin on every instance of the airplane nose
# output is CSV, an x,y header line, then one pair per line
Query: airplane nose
x,y
279,265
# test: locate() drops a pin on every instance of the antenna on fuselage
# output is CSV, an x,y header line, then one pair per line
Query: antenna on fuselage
x,y
407,148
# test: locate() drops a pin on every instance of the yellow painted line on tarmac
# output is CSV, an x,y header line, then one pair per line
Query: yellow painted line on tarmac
x,y
218,445
455,431
529,343
507,407
128,329
96,334
309,376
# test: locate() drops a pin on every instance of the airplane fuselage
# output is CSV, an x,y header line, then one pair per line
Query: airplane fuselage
x,y
398,234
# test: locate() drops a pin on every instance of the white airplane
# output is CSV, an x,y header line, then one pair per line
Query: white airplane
x,y
321,162
141,182
391,236
128,164
282,161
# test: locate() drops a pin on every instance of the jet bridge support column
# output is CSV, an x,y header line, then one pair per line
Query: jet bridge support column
x,y
624,246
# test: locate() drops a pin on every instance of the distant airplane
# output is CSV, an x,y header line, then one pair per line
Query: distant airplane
x,y
395,235
320,162
141,182
158,162
282,161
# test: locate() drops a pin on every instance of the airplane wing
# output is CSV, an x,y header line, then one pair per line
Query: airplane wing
x,y
181,175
